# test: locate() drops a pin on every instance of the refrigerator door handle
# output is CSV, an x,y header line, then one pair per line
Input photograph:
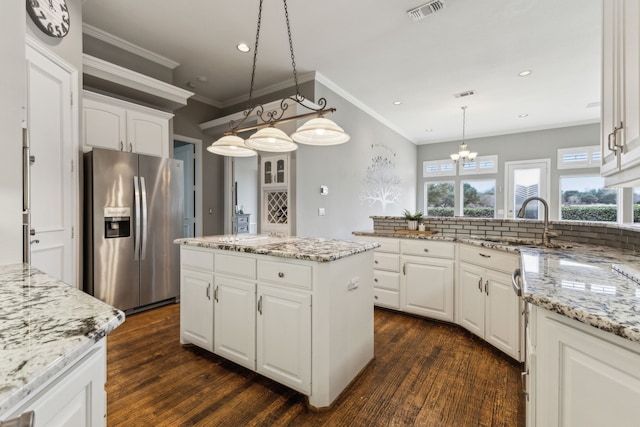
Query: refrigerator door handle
x,y
145,219
136,236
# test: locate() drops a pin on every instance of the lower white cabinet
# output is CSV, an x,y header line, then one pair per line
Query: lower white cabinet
x,y
284,336
427,287
487,304
582,376
235,324
196,292
74,398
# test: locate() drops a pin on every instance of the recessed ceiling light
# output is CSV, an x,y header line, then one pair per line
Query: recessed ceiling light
x,y
243,47
522,115
202,79
397,102
429,130
524,73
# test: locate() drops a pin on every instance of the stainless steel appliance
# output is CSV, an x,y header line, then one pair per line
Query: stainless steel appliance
x,y
133,212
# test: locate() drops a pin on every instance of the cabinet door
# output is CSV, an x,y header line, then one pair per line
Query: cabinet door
x,y
196,308
630,91
104,125
235,324
471,298
281,171
502,313
267,172
427,287
584,380
147,134
284,337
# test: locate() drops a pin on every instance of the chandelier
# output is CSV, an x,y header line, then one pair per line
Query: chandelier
x,y
317,131
463,153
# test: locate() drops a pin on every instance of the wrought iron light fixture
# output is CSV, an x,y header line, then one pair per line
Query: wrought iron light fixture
x,y
463,153
317,131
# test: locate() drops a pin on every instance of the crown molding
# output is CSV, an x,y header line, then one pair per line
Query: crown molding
x,y
128,46
207,101
302,78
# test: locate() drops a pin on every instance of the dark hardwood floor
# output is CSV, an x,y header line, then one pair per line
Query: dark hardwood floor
x,y
425,373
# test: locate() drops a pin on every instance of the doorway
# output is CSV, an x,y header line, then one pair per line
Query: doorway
x,y
189,150
525,179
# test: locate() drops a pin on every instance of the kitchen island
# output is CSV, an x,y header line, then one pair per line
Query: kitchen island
x,y
296,310
52,349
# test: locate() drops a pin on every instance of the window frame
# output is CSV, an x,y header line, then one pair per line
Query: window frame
x,y
495,196
477,170
619,202
440,164
589,162
426,195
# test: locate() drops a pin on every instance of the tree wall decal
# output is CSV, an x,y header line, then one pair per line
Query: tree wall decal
x,y
381,184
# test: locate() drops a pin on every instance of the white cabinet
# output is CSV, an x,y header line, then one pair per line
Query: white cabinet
x,y
118,125
235,330
487,304
73,398
386,271
196,297
583,376
284,336
620,111
275,170
426,286
277,194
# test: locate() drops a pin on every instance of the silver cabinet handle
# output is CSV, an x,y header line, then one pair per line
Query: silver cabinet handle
x,y
426,250
375,280
375,297
215,294
121,146
32,232
524,383
130,147
209,291
486,287
480,284
515,282
280,274
611,144
484,255
260,304
375,261
404,269
36,241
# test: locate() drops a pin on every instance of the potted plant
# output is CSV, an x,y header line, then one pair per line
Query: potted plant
x,y
412,219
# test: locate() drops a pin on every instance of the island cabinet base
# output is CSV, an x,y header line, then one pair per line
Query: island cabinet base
x,y
305,324
75,397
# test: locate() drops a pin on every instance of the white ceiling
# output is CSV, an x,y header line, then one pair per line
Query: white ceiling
x,y
374,52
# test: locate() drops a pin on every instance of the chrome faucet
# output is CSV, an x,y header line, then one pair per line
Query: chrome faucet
x,y
546,235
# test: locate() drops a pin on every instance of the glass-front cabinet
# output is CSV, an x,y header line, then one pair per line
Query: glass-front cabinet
x,y
274,170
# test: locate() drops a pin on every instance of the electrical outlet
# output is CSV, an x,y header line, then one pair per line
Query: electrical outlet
x,y
320,211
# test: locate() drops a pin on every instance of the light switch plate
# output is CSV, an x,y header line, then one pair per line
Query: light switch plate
x,y
324,190
320,211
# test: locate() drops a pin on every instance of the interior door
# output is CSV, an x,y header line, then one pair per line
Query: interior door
x,y
186,154
526,179
49,123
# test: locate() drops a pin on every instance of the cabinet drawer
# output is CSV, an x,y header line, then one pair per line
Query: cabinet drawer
x,y
386,298
195,258
243,220
495,260
386,280
383,261
428,248
236,265
386,244
243,228
285,273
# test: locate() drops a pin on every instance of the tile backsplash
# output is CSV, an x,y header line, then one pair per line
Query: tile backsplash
x,y
596,233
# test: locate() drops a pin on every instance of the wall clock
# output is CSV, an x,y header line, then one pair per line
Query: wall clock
x,y
51,16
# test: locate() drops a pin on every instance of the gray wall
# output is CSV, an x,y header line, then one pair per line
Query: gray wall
x,y
12,102
185,123
343,168
521,146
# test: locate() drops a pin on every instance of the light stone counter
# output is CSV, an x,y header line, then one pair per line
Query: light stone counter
x,y
575,280
45,324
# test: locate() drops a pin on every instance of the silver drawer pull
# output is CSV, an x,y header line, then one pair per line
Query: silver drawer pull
x,y
281,274
484,255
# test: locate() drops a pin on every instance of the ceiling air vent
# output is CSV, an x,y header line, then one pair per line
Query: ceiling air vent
x,y
465,93
423,11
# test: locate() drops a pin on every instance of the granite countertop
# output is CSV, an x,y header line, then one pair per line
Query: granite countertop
x,y
304,248
44,325
575,280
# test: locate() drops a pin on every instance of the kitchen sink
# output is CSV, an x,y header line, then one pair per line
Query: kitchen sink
x,y
506,241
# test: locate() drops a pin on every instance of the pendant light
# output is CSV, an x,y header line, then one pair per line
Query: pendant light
x,y
317,131
463,153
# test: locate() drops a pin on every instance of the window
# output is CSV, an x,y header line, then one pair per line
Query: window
x,y
444,167
579,157
439,198
481,165
636,204
584,198
479,198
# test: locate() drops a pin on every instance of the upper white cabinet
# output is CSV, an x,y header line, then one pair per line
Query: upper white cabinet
x,y
275,170
118,125
620,100
277,194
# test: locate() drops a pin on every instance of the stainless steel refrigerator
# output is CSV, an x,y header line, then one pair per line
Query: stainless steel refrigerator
x,y
133,210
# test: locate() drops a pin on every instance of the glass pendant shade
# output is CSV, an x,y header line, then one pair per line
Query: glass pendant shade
x,y
271,139
455,157
320,131
232,146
